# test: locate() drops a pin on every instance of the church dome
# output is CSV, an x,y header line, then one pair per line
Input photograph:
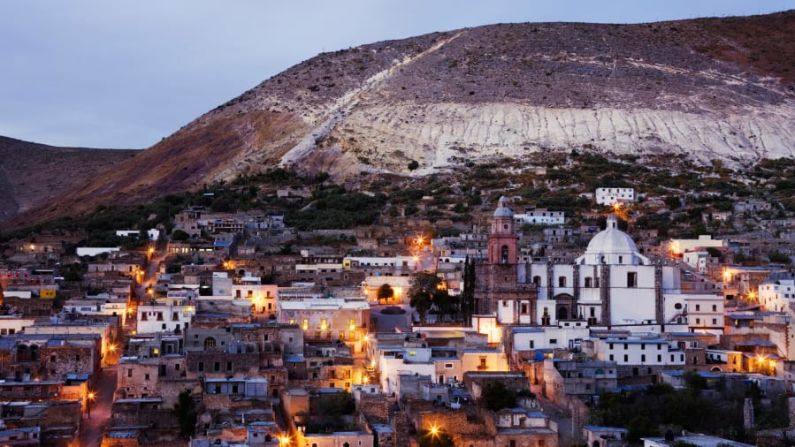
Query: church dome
x,y
612,246
503,210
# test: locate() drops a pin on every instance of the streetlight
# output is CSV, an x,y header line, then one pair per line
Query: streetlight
x,y
433,431
284,440
89,398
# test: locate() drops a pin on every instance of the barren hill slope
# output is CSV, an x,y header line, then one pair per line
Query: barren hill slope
x,y
707,88
33,174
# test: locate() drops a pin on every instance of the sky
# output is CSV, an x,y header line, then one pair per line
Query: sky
x,y
126,73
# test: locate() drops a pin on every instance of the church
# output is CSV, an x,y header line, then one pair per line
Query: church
x,y
610,285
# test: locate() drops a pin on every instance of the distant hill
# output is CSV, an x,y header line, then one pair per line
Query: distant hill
x,y
33,174
705,89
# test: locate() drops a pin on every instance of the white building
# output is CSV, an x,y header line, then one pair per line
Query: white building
x,y
96,251
699,260
153,318
13,324
681,246
611,196
639,351
127,233
540,216
777,293
615,284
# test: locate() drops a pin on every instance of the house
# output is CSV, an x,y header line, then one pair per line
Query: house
x,y
679,247
540,216
611,196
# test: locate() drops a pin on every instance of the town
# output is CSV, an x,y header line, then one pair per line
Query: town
x,y
371,322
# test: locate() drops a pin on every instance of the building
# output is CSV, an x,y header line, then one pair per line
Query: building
x,y
328,319
499,281
679,247
540,216
777,293
611,196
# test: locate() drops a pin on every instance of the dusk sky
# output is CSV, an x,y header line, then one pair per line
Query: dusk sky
x,y
125,73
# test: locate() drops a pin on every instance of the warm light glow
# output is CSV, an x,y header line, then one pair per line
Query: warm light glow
x,y
416,258
323,326
284,440
92,395
112,348
617,206
352,326
151,251
156,351
433,430
32,247
372,363
366,338
365,380
751,295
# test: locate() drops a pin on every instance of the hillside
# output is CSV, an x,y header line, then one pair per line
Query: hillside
x,y
33,174
718,88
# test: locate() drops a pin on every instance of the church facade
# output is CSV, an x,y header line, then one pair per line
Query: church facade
x,y
610,285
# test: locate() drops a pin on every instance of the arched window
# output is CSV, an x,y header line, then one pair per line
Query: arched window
x,y
563,313
209,343
537,281
504,254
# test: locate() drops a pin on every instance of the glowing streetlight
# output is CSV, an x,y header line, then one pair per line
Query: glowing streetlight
x,y
112,348
433,431
90,396
284,440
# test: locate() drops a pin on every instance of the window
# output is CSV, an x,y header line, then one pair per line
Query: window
x,y
209,343
659,358
216,366
626,358
146,376
562,281
698,307
144,316
714,307
678,306
229,366
643,358
588,282
537,281
532,344
632,279
129,372
200,366
553,341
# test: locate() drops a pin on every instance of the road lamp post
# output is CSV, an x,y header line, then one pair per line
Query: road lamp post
x,y
89,398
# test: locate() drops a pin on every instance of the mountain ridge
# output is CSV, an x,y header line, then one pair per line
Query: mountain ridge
x,y
714,88
32,173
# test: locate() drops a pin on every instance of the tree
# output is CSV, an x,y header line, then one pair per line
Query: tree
x,y
421,294
185,408
497,396
673,202
385,292
179,235
468,294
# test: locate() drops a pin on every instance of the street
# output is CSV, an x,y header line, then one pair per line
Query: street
x,y
91,429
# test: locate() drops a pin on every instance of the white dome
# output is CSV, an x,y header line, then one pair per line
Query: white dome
x,y
611,241
503,210
612,246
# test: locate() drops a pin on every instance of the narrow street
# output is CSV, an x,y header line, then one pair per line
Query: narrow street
x,y
91,429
